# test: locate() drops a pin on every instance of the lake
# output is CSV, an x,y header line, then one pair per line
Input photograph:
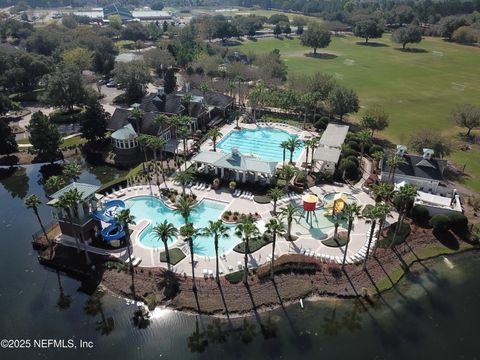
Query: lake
x,y
430,315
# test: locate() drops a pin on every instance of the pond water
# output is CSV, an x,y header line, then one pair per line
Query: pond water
x,y
430,315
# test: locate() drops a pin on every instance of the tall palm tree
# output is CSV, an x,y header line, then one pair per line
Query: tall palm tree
x,y
214,134
137,115
54,183
293,144
246,229
216,229
315,142
125,219
184,207
64,204
275,193
144,141
188,231
183,132
393,162
351,211
274,227
284,145
165,231
239,79
157,144
236,116
363,138
290,213
74,197
204,88
32,202
384,211
373,214
184,177
403,197
308,144
383,191
287,172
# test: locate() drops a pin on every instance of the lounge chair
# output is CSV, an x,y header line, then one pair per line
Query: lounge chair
x,y
205,273
136,262
210,273
240,265
208,188
230,268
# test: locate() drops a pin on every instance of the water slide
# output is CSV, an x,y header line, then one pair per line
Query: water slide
x,y
113,231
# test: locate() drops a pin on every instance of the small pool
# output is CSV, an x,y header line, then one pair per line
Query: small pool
x,y
262,142
154,209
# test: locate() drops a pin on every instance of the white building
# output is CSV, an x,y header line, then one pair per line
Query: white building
x,y
328,153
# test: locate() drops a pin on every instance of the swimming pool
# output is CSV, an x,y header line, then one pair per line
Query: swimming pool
x,y
154,209
262,142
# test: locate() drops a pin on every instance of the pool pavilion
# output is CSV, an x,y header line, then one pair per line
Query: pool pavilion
x,y
242,167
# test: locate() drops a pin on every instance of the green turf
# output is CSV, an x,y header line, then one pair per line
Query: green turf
x,y
176,255
418,89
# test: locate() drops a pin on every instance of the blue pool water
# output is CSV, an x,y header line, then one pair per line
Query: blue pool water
x,y
263,142
153,209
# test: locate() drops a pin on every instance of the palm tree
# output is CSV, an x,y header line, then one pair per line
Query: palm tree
x,y
246,229
184,177
216,229
236,116
287,172
393,162
137,114
32,202
373,214
64,203
274,227
188,231
275,193
165,231
383,212
239,79
156,144
72,171
383,191
290,213
363,138
54,183
403,197
125,219
204,88
308,144
351,211
144,141
284,145
183,132
184,207
293,144
214,134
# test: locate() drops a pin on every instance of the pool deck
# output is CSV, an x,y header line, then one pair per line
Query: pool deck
x,y
229,262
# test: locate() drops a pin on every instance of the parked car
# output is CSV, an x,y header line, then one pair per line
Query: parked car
x,y
111,84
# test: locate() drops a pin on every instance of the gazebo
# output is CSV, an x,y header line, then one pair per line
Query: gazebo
x,y
235,162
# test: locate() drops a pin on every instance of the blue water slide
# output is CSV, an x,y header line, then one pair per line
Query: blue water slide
x,y
113,232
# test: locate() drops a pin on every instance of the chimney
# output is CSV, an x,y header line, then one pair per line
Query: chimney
x,y
427,154
401,150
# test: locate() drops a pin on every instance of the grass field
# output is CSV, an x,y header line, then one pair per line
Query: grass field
x,y
418,89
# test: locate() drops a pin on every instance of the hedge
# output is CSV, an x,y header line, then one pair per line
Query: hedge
x,y
59,116
420,214
290,263
440,222
253,244
402,235
234,277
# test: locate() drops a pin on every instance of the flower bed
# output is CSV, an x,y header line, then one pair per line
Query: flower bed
x,y
236,217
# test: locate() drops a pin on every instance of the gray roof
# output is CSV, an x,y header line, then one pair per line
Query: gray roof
x,y
329,154
236,161
86,190
334,135
417,166
125,133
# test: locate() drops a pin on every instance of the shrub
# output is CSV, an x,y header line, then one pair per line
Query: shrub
x,y
420,214
353,145
234,277
321,124
402,234
353,159
440,222
350,169
232,185
458,221
366,209
374,148
57,116
349,152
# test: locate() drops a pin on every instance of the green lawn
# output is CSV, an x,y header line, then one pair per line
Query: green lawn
x,y
76,140
418,89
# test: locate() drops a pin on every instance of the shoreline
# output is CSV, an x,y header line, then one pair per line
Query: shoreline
x,y
383,273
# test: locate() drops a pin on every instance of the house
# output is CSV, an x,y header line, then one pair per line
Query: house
x,y
427,174
83,224
205,110
328,152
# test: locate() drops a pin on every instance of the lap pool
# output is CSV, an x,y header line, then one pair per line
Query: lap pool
x,y
154,210
262,142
